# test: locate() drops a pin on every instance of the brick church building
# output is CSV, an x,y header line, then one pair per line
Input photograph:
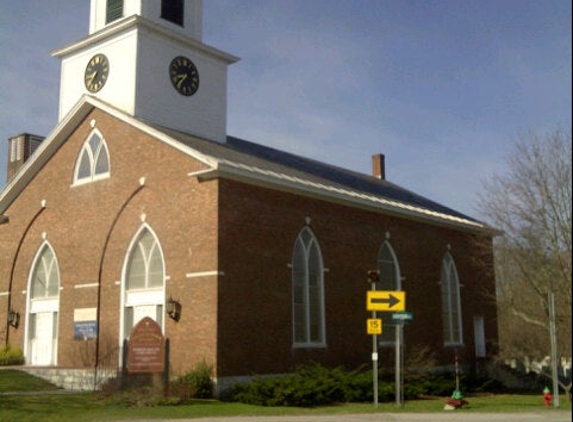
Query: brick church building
x,y
252,259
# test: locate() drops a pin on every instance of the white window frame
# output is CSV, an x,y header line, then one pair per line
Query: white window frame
x,y
451,303
307,247
93,159
42,304
153,296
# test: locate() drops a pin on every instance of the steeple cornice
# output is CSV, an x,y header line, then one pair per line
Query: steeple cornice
x,y
140,23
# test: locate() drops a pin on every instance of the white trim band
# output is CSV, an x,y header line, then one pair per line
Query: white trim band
x,y
204,274
86,286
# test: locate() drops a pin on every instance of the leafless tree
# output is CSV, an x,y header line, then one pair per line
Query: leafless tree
x,y
531,204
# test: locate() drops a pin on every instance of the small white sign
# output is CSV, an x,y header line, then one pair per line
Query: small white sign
x,y
85,314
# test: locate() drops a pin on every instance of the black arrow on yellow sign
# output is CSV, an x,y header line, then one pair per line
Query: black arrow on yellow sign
x,y
391,300
386,300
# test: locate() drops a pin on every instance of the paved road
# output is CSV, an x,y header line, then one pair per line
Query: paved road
x,y
541,416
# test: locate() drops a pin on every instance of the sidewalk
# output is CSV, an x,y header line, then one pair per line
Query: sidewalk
x,y
541,416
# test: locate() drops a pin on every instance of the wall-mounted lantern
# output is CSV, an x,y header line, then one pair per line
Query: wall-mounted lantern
x,y
173,309
14,318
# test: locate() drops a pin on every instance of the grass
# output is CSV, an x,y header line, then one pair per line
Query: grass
x,y
12,380
49,406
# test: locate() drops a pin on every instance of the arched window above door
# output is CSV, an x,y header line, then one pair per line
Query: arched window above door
x,y
45,282
144,281
145,264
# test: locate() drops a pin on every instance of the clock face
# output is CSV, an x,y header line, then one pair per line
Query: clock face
x,y
184,76
96,73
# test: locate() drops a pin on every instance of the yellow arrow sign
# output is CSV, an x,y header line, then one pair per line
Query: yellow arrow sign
x,y
386,300
374,326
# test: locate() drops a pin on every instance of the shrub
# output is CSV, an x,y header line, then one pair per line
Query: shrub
x,y
11,356
316,385
308,386
196,383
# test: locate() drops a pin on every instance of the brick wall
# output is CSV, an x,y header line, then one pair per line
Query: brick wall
x,y
227,247
258,229
78,219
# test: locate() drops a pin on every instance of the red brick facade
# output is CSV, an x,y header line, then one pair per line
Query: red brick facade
x,y
227,247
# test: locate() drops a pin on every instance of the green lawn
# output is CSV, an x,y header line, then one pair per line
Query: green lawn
x,y
49,405
11,380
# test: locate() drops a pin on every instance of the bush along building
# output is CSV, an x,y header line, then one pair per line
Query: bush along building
x,y
138,204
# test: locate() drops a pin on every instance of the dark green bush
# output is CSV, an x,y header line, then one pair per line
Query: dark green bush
x,y
308,386
11,356
316,386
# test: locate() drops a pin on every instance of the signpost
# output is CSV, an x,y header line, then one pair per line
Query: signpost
x,y
386,301
400,318
373,278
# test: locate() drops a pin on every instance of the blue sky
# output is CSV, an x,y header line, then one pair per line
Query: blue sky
x,y
442,88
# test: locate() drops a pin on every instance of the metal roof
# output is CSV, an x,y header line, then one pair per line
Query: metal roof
x,y
249,159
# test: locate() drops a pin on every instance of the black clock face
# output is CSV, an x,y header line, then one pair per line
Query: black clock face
x,y
184,76
96,73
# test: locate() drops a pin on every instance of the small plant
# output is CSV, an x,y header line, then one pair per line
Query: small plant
x,y
196,383
11,356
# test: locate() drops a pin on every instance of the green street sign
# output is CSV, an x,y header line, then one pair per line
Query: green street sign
x,y
402,317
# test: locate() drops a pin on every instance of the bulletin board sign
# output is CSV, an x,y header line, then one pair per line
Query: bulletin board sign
x,y
85,323
146,349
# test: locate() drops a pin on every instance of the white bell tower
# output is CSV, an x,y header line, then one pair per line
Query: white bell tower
x,y
147,58
182,16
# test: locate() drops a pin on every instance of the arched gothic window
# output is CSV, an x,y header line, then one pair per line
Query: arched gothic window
x,y
93,160
451,306
144,275
308,291
389,280
45,282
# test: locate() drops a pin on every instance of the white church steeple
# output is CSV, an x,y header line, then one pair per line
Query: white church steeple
x,y
146,57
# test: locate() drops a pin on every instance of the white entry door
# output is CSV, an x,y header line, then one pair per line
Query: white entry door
x,y
43,343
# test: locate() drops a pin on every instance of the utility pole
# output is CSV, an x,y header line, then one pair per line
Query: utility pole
x,y
553,334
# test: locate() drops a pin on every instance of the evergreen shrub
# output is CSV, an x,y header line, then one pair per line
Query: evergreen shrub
x,y
316,385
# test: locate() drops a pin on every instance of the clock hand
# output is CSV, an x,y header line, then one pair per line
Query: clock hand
x,y
92,77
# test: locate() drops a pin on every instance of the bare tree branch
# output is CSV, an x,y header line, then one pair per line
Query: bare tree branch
x,y
531,205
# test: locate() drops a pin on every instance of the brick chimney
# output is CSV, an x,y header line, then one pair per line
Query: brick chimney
x,y
378,166
20,148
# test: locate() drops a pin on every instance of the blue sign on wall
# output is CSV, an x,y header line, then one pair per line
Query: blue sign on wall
x,y
84,330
